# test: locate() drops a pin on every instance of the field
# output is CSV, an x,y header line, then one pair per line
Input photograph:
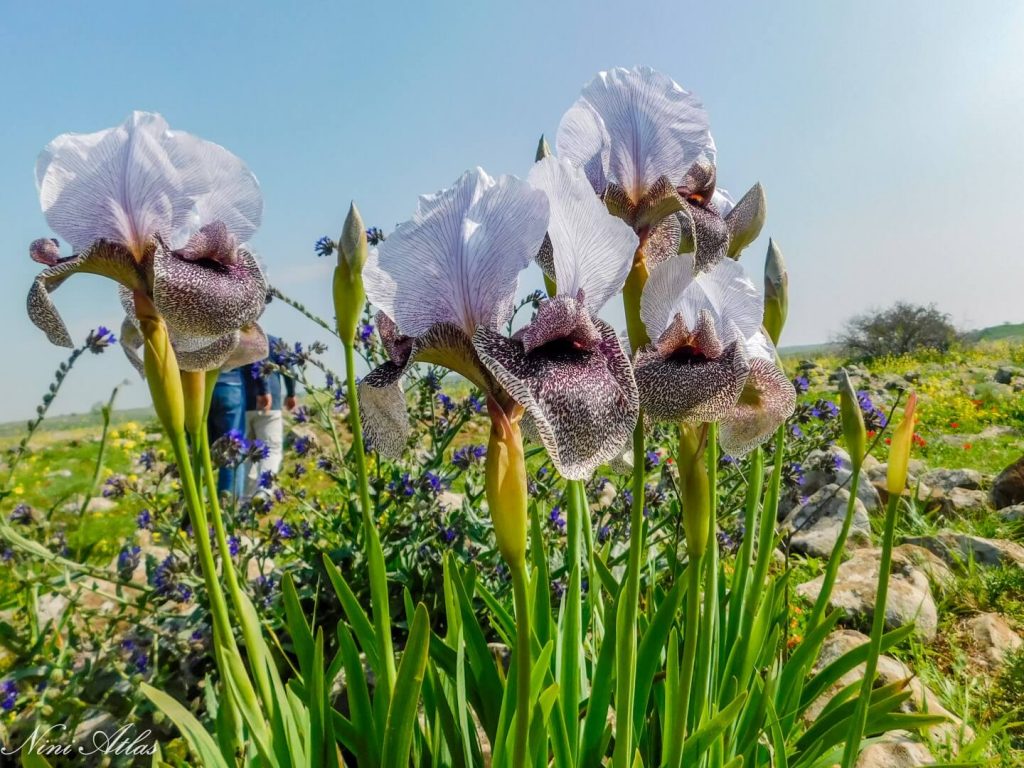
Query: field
x,y
97,489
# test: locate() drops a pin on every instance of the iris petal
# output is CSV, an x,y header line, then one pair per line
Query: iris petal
x,y
767,400
646,126
458,259
140,179
131,342
581,398
207,298
382,404
252,347
102,258
592,251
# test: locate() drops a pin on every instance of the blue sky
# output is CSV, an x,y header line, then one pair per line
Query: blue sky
x,y
887,135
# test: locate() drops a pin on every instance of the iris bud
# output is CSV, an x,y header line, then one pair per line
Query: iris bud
x,y
776,293
349,296
505,483
899,449
696,495
543,150
852,420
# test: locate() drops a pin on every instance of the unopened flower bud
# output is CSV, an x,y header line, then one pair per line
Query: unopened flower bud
x,y
349,295
852,419
899,449
543,150
776,293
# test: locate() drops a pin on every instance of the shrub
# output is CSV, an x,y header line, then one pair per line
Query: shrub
x,y
899,330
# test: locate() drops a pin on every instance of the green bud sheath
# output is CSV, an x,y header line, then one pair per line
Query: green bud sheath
x,y
505,484
193,387
696,493
161,366
852,420
776,293
349,296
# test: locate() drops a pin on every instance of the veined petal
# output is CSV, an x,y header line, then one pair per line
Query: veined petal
x,y
382,404
583,141
710,236
653,127
102,258
592,250
140,179
195,357
131,342
722,202
664,240
724,291
458,259
582,400
207,298
767,400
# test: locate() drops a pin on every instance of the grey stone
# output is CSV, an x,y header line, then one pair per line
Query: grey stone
x,y
815,525
995,638
1012,514
910,596
958,502
948,479
833,465
895,752
958,548
1006,374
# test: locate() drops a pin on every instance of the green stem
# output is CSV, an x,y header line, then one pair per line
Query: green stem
x,y
709,619
572,642
877,630
626,641
251,631
520,590
738,596
675,737
832,569
374,555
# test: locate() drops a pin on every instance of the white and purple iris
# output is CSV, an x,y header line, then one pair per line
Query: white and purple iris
x,y
445,283
165,214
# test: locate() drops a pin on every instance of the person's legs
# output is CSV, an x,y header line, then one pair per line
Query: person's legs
x,y
226,414
267,426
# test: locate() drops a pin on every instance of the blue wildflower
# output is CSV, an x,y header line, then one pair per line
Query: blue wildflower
x,y
144,520
324,246
8,695
556,519
374,236
801,384
21,514
127,561
302,445
266,480
147,459
99,339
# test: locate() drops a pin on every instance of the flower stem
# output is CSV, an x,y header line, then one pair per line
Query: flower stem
x,y
832,569
524,662
860,717
374,554
572,641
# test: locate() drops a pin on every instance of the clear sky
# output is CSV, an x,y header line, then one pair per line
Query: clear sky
x,y
887,134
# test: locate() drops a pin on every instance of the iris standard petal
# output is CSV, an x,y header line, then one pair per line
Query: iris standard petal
x,y
458,259
592,250
767,400
653,126
583,141
581,397
140,179
206,297
724,291
101,258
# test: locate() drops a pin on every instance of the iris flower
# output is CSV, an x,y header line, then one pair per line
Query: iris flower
x,y
567,367
164,214
445,282
645,144
709,359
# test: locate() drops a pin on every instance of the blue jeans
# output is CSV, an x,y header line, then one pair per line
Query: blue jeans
x,y
227,412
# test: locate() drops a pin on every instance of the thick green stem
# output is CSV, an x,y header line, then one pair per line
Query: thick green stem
x,y
524,662
251,631
572,641
677,733
832,569
374,555
860,717
709,619
625,681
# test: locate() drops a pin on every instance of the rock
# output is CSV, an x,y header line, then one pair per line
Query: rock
x,y
957,548
890,671
807,365
815,525
607,496
60,473
96,504
910,595
993,431
896,752
948,479
1007,373
50,607
450,499
1008,487
1012,514
912,376
995,638
153,437
958,502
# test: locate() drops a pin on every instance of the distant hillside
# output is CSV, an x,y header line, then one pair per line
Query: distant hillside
x,y
809,350
79,421
1004,332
